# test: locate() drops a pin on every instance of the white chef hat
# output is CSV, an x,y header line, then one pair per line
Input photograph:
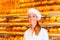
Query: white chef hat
x,y
35,11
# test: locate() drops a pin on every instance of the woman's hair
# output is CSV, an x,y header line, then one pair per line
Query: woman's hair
x,y
37,25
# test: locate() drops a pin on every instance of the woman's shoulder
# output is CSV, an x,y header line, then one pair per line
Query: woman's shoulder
x,y
27,31
43,30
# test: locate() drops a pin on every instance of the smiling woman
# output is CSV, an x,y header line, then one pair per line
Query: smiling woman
x,y
35,32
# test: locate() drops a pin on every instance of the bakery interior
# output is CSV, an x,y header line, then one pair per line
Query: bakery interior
x,y
14,21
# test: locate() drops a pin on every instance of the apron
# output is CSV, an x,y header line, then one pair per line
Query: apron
x,y
35,37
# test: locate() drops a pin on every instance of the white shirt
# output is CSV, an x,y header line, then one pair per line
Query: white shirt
x,y
43,35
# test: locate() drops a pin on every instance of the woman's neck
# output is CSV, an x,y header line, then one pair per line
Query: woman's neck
x,y
32,29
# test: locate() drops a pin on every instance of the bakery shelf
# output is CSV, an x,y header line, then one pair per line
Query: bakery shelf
x,y
50,2
54,34
21,14
29,4
11,32
50,24
14,24
42,24
33,2
43,13
22,33
24,14
3,15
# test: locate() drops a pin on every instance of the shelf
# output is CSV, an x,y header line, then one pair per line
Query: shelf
x,y
31,4
42,24
22,33
14,24
34,2
9,32
22,14
54,34
50,24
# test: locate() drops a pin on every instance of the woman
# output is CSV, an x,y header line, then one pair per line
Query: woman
x,y
35,32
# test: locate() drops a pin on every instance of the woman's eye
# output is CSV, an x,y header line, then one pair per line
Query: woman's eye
x,y
33,16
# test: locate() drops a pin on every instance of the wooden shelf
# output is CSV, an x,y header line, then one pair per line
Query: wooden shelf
x,y
54,34
14,24
50,24
42,24
33,2
11,32
24,14
50,2
22,33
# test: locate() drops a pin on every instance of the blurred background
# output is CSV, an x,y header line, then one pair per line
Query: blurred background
x,y
14,21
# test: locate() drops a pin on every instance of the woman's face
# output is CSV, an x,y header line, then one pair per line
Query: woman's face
x,y
32,19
